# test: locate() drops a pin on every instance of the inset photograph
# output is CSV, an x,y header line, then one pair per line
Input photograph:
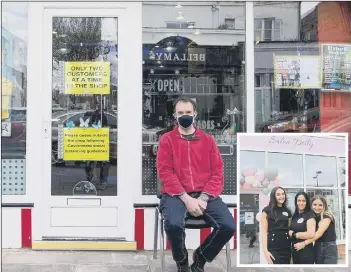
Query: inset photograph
x,y
292,191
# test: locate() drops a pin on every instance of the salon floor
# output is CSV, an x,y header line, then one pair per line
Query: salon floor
x,y
48,261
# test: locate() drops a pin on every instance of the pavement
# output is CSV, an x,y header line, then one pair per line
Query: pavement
x,y
92,261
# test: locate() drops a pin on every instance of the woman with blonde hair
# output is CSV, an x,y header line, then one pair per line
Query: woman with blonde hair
x,y
326,251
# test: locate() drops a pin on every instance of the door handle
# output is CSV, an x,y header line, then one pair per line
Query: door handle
x,y
231,150
47,127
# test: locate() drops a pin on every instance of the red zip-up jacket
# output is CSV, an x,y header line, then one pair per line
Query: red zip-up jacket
x,y
189,166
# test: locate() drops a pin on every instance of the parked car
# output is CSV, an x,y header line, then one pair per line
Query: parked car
x,y
294,122
13,140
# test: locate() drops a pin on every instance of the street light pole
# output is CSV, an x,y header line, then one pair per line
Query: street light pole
x,y
316,176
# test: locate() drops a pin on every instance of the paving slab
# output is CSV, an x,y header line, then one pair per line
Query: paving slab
x,y
141,261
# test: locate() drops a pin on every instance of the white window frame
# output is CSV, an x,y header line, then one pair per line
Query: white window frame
x,y
232,23
273,29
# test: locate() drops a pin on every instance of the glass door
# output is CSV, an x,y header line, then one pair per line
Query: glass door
x,y
84,178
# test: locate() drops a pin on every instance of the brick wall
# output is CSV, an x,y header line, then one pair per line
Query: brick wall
x,y
334,26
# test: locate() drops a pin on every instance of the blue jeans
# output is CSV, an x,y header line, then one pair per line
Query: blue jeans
x,y
217,215
326,252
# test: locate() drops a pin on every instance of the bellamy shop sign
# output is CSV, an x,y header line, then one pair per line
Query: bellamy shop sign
x,y
336,67
180,57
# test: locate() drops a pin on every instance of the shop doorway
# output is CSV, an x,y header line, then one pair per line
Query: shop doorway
x,y
83,178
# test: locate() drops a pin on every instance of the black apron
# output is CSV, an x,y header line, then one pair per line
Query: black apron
x,y
279,245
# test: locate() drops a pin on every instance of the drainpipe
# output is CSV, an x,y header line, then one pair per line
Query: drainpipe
x,y
299,22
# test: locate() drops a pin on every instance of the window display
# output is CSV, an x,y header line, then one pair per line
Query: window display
x,y
196,64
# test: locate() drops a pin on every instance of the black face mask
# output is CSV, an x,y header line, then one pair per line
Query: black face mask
x,y
185,121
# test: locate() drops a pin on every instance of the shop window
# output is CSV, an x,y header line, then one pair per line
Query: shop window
x,y
321,171
191,63
267,29
14,33
84,43
230,23
289,168
296,45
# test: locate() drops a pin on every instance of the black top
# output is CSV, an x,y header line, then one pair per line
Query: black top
x,y
299,221
189,137
329,235
282,222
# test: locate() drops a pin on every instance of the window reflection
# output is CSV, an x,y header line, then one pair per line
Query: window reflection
x,y
82,43
14,32
196,50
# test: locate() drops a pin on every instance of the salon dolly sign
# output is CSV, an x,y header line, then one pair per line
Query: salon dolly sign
x,y
86,144
87,77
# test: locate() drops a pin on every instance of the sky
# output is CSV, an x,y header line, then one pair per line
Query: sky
x,y
306,6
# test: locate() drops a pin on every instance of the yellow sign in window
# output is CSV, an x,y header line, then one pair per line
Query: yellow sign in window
x,y
87,77
86,144
6,92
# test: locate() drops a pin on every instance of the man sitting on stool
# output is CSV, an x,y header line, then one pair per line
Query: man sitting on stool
x,y
190,168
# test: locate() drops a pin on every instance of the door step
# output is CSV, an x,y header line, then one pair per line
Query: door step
x,y
87,244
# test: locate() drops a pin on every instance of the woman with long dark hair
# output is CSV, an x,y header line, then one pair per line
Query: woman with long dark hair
x,y
303,227
276,218
325,249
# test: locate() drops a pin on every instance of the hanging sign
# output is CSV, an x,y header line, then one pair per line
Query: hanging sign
x,y
87,77
86,144
297,72
336,67
169,85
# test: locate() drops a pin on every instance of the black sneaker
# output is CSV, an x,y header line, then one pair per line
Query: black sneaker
x,y
183,266
198,264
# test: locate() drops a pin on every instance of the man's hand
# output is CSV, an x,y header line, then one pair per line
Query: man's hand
x,y
193,207
202,204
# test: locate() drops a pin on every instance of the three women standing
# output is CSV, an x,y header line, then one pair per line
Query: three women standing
x,y
286,236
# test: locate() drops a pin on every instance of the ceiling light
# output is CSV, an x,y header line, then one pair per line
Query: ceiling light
x,y
63,50
178,6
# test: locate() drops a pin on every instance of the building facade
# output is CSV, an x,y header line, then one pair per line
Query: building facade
x,y
129,61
